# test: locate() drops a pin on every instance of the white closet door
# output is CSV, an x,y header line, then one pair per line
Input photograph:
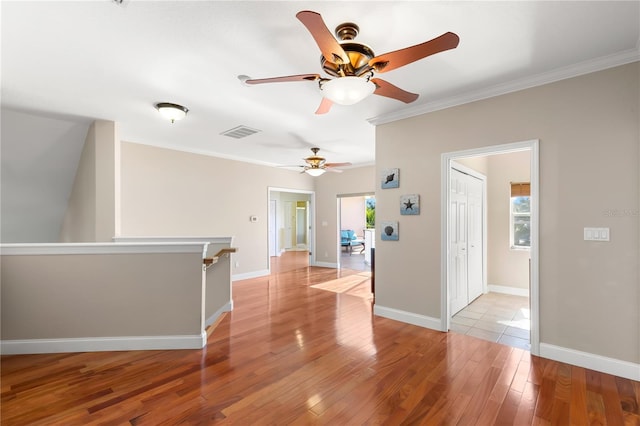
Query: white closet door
x,y
459,294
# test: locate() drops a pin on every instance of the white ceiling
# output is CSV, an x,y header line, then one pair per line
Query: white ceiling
x,y
103,60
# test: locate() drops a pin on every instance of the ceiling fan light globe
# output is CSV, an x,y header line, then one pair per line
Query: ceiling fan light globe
x,y
315,172
347,90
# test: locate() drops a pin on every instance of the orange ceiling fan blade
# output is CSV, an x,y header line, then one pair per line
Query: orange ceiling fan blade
x,y
398,58
329,46
384,88
337,164
325,106
298,77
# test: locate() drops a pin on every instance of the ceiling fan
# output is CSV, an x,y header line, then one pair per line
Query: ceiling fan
x,y
354,64
317,165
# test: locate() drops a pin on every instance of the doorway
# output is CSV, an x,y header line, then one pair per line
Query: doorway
x,y
290,222
457,236
356,212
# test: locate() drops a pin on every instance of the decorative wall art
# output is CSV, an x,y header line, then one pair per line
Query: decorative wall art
x,y
410,204
390,178
389,231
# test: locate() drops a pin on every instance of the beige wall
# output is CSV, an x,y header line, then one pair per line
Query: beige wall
x,y
101,295
588,132
217,276
354,181
94,205
173,193
479,164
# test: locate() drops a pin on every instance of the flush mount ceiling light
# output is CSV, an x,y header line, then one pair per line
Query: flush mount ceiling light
x,y
347,90
172,112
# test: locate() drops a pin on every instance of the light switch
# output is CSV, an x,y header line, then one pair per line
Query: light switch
x,y
596,234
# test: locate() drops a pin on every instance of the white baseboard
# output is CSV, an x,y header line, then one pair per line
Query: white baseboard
x,y
514,291
99,344
326,265
600,363
408,317
228,307
249,275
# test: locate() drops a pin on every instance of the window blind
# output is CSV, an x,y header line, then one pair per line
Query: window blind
x,y
520,189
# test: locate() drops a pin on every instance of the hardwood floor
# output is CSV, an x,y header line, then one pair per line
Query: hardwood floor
x,y
293,354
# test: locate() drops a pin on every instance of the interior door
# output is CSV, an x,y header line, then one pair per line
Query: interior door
x,y
475,274
459,294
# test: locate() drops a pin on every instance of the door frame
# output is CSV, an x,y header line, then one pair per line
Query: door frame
x,y
339,198
446,159
311,212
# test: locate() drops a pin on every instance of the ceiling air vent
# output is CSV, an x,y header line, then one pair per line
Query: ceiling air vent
x,y
240,132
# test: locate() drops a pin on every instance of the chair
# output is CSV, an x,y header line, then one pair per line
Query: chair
x,y
348,239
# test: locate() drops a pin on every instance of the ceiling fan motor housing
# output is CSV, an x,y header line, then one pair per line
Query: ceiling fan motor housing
x,y
315,160
359,54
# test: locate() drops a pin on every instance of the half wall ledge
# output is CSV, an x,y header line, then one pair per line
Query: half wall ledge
x,y
104,296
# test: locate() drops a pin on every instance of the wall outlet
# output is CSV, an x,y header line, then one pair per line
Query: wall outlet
x,y
237,264
326,254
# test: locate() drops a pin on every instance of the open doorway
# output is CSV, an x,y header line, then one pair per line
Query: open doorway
x,y
493,294
291,215
356,225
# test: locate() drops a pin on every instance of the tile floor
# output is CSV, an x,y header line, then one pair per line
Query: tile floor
x,y
355,261
496,317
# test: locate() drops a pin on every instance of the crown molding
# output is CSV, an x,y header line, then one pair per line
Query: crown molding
x,y
575,70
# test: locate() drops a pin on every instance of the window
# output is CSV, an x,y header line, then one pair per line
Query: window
x,y
520,223
370,212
